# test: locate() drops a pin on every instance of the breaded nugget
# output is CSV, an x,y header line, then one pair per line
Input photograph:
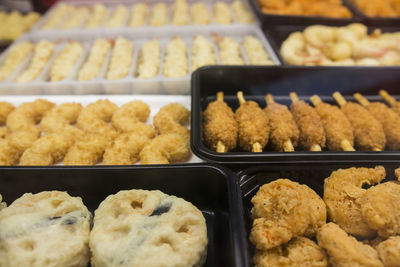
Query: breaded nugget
x,y
12,147
343,193
312,133
131,118
4,131
389,251
219,125
166,148
284,209
345,250
284,134
94,118
47,150
5,109
125,149
299,252
172,118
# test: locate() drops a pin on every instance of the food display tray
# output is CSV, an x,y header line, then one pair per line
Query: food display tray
x,y
310,174
271,20
256,82
160,84
154,102
212,189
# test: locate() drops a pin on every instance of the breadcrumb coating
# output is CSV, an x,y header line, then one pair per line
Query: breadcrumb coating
x,y
222,14
65,61
76,19
255,51
172,118
203,53
18,53
5,109
242,13
176,59
121,59
118,17
200,14
149,60
92,66
389,251
138,15
180,13
159,15
97,16
57,16
229,52
12,147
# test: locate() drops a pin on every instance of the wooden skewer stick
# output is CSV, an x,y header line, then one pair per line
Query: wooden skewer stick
x,y
316,147
387,98
339,99
220,146
256,146
315,100
269,99
362,100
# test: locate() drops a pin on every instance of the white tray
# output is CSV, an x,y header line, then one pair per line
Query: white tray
x,y
154,102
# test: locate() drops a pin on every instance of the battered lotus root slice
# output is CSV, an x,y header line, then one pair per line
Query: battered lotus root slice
x,y
300,251
345,250
343,194
388,251
284,209
50,228
148,228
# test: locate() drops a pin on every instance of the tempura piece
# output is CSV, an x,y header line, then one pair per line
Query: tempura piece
x,y
12,147
138,15
149,60
388,251
16,55
172,118
222,14
159,15
229,51
255,51
180,13
176,59
96,17
76,19
200,14
98,53
57,16
242,13
203,52
65,61
121,59
117,18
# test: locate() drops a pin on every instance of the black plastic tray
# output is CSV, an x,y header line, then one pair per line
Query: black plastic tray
x,y
271,20
255,82
212,189
312,174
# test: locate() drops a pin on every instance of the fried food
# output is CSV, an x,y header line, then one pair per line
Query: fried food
x,y
172,118
97,56
368,132
255,51
5,110
65,61
149,60
300,252
389,119
94,118
57,16
253,125
229,51
311,131
131,117
200,14
12,147
2,204
338,129
75,19
343,195
125,149
121,59
284,209
180,13
220,129
378,8
17,54
242,13
202,52
395,105
284,134
138,15
159,15
345,250
4,131
388,251
47,150
117,18
96,17
222,14
176,59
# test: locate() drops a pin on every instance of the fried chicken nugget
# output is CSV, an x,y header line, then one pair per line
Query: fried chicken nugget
x,y
47,150
172,118
125,149
389,251
300,252
284,209
12,147
94,118
131,117
5,109
343,193
345,250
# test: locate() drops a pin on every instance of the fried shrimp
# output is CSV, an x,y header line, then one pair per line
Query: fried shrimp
x,y
5,109
25,117
312,133
300,251
368,132
389,119
284,133
47,150
94,118
125,149
388,251
171,119
345,250
220,128
253,125
338,130
343,195
131,117
395,105
12,147
282,210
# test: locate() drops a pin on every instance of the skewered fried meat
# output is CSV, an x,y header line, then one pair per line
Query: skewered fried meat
x,y
219,126
395,105
312,133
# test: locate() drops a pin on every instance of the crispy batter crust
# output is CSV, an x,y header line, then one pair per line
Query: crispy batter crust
x,y
389,251
5,109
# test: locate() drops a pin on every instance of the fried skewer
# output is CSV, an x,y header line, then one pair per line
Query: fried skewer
x,y
395,105
284,133
253,125
389,119
312,133
338,130
368,132
220,126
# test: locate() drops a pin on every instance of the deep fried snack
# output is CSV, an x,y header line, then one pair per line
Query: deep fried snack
x,y
149,59
388,251
389,119
312,133
253,125
172,118
395,105
65,61
368,132
97,56
16,55
338,129
222,14
121,59
47,150
345,250
5,109
25,117
4,131
138,15
300,251
94,118
284,133
96,17
203,52
159,15
219,125
125,149
117,18
166,148
75,19
284,209
229,51
131,117
343,193
180,13
12,147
